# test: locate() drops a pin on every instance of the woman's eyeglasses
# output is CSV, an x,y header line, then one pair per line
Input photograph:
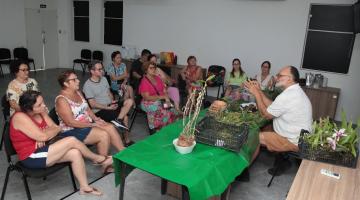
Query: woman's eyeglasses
x,y
153,67
24,70
72,79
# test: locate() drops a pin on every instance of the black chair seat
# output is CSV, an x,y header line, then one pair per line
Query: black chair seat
x,y
39,173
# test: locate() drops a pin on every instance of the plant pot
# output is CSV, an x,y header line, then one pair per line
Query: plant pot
x,y
183,150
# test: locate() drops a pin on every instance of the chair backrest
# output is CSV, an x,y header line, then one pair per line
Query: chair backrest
x,y
219,72
86,54
9,148
5,54
21,53
98,55
5,105
54,116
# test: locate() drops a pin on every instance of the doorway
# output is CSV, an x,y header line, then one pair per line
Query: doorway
x,y
42,37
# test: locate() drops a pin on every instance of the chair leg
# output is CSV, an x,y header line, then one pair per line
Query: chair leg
x,y
5,182
2,136
72,178
132,118
73,66
1,71
217,97
26,187
34,66
277,166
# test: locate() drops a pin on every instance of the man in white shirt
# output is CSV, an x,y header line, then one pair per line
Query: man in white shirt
x,y
291,111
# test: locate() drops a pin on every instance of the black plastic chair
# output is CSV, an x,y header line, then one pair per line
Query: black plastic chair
x,y
27,172
5,59
98,55
84,60
53,116
278,160
218,80
5,106
21,53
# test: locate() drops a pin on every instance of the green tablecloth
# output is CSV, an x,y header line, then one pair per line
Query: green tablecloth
x,y
206,172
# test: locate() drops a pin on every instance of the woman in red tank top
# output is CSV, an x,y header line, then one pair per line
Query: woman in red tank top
x,y
32,128
191,74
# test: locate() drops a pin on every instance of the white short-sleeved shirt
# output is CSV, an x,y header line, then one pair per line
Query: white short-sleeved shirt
x,y
292,112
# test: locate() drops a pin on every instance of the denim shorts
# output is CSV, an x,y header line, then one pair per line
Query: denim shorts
x,y
37,159
78,133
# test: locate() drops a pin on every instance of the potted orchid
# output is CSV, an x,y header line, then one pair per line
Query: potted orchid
x,y
186,141
331,142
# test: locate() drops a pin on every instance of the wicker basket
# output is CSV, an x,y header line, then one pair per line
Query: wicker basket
x,y
345,159
230,137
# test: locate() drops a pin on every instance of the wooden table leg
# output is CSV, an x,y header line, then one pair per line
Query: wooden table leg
x,y
184,193
164,183
122,181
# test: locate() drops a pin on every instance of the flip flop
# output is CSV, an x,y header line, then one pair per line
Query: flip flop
x,y
108,169
102,162
93,191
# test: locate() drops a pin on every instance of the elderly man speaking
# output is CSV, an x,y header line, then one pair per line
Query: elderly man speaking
x,y
291,111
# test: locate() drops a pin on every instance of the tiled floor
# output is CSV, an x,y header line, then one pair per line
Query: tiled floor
x,y
139,185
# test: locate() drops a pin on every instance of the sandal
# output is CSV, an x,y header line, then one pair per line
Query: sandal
x,y
108,169
102,162
93,191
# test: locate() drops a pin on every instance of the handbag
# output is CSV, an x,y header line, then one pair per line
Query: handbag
x,y
163,102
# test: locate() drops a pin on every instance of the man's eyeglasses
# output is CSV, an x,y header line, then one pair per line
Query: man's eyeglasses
x,y
72,79
100,69
24,70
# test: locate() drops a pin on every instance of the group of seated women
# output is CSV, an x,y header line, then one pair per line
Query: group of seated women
x,y
79,126
40,143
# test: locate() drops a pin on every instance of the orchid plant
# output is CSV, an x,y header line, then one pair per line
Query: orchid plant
x,y
328,135
191,112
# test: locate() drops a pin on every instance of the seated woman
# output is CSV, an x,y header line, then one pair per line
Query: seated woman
x,y
265,79
119,76
155,102
20,84
191,74
235,80
173,92
76,118
31,129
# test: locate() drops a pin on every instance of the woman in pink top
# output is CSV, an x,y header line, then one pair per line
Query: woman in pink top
x,y
30,131
173,92
155,102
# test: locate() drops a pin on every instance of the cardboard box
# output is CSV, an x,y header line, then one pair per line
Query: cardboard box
x,y
174,190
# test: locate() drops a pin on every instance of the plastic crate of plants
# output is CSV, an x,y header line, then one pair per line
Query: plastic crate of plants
x,y
226,136
330,143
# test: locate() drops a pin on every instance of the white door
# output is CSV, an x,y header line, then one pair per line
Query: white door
x,y
42,38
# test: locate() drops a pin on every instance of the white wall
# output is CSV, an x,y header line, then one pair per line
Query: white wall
x,y
213,30
12,23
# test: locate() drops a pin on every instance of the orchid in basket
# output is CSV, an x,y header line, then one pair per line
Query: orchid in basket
x,y
327,135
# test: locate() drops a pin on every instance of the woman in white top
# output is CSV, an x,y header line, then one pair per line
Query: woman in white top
x,y
265,79
76,118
